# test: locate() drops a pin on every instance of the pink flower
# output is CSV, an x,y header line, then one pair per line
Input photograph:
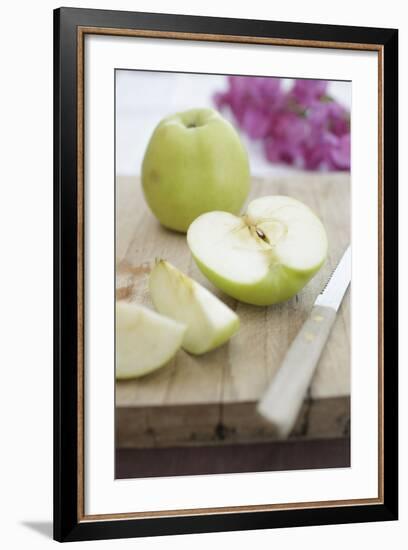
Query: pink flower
x,y
302,127
307,92
256,122
340,155
252,101
328,152
285,142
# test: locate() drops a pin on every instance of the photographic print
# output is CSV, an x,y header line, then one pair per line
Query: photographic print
x,y
232,215
225,244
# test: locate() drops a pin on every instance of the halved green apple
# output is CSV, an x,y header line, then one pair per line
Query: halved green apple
x,y
263,257
209,321
145,340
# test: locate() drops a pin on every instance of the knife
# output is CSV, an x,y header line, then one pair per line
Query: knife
x,y
281,403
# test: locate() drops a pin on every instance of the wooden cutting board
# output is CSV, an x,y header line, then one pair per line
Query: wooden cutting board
x,y
212,398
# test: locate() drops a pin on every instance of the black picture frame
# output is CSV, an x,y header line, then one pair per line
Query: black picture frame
x,y
68,524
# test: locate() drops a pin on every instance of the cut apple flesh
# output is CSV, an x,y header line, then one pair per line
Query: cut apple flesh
x,y
145,340
263,257
209,321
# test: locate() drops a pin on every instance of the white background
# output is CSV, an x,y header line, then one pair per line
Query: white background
x,y
143,98
26,206
102,493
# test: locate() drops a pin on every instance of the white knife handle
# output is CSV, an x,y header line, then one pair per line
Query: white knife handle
x,y
283,399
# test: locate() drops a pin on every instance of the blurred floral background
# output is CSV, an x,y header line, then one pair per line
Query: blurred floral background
x,y
285,124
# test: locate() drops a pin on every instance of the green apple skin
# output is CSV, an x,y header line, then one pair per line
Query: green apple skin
x,y
195,162
274,288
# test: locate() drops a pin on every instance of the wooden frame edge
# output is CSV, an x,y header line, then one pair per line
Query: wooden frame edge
x,y
179,35
80,271
81,32
225,510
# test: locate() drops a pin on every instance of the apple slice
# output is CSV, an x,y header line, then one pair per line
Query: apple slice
x,y
263,257
209,321
145,340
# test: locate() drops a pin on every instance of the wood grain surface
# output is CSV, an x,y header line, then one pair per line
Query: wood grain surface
x,y
212,398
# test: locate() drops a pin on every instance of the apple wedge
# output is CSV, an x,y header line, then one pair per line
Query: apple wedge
x,y
263,257
209,321
145,340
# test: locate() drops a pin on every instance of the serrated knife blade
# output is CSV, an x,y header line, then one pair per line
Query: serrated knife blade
x,y
335,288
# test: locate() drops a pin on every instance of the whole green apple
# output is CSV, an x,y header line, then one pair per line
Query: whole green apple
x,y
263,257
194,163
